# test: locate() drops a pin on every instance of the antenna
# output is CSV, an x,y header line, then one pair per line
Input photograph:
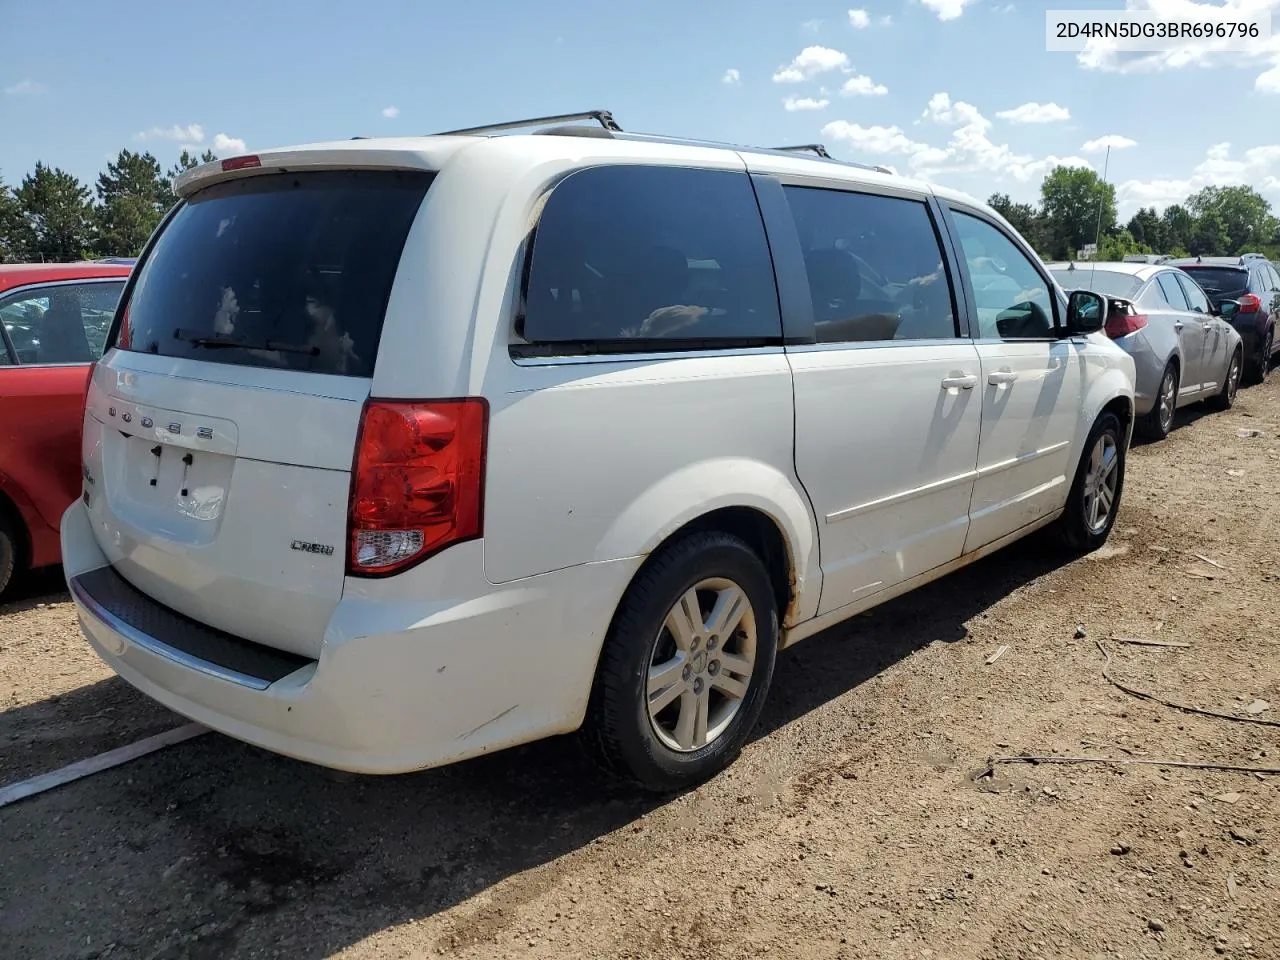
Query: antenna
x,y
1097,236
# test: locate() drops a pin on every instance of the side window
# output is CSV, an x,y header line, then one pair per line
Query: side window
x,y
875,267
62,323
1172,291
1013,299
1195,296
1273,275
625,254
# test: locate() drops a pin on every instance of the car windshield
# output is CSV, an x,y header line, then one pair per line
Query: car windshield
x,y
1109,283
1220,281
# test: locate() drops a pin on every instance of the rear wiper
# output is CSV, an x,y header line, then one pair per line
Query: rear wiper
x,y
215,343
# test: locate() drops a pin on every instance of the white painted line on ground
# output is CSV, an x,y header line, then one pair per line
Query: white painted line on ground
x,y
103,761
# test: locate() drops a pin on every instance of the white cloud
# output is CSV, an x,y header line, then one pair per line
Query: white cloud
x,y
813,26
947,9
968,148
859,19
191,133
861,86
794,104
1035,113
885,21
1101,54
25,88
810,62
732,77
1007,8
1258,167
391,112
224,144
1111,140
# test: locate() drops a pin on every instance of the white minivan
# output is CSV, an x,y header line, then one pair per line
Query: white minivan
x,y
408,450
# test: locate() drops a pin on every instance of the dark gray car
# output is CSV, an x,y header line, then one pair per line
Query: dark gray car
x,y
1253,281
1183,348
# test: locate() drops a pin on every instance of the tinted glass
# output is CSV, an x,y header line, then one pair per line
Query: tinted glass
x,y
279,270
1106,282
1195,296
625,254
1220,281
62,323
1013,299
1273,277
1172,291
875,267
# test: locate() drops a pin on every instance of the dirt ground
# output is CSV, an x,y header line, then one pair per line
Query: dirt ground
x,y
851,827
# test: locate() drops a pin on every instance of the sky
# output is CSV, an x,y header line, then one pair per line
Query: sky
x,y
959,92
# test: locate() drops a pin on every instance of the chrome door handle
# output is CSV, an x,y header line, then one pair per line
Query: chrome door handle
x,y
1177,325
1001,376
967,382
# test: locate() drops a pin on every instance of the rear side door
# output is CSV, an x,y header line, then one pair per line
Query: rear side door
x,y
1186,327
53,332
887,397
1200,318
1032,381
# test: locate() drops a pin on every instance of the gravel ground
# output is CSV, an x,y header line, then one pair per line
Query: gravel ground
x,y
853,825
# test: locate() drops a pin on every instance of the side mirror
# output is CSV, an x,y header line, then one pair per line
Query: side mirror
x,y
1086,312
1227,309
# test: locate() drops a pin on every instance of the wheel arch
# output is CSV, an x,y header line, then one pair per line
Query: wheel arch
x,y
747,498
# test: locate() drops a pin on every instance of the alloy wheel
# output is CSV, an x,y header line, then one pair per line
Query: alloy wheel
x,y
1100,483
701,665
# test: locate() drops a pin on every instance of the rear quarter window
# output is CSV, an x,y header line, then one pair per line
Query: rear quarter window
x,y
634,258
289,270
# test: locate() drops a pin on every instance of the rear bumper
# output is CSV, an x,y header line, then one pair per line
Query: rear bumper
x,y
1148,369
402,683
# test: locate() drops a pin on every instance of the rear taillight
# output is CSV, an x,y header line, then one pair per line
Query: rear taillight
x,y
1250,303
418,482
1122,321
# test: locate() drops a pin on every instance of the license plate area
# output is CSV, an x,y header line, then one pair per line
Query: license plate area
x,y
164,476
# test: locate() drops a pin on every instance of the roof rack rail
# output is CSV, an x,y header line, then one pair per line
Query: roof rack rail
x,y
817,148
602,117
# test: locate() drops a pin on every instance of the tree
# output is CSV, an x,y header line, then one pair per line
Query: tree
x,y
15,237
1246,215
1119,245
186,161
1210,237
1074,200
1024,218
1148,229
1179,225
55,206
132,197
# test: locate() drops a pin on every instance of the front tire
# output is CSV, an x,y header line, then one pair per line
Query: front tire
x,y
1158,422
1094,499
8,553
686,665
1225,398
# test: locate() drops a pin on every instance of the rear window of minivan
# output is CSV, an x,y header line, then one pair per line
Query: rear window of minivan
x,y
285,270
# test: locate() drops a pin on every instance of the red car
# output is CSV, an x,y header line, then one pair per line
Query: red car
x,y
53,324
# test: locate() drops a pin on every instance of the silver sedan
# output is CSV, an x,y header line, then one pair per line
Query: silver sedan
x,y
1184,349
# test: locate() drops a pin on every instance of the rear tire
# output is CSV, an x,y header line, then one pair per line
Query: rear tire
x,y
8,552
1225,398
1158,422
1261,364
1095,494
677,694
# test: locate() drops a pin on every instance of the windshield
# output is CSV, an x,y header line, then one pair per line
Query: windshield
x,y
1220,281
1108,283
279,270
